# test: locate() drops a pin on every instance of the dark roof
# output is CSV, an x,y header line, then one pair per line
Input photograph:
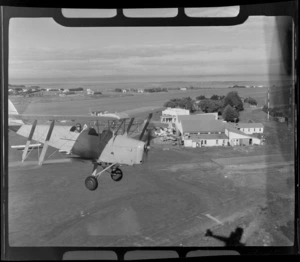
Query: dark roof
x,y
209,136
206,124
199,117
248,125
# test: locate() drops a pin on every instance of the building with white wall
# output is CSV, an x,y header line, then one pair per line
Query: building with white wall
x,y
169,115
238,138
206,130
202,130
250,128
90,91
195,121
206,140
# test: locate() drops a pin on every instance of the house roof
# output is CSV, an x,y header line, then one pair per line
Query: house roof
x,y
248,125
209,136
200,117
206,124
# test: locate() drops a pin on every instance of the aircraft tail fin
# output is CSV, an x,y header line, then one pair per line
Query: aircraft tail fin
x,y
11,112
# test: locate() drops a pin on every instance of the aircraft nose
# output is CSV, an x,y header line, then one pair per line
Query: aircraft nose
x,y
140,151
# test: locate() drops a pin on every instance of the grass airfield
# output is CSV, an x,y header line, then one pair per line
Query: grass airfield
x,y
172,200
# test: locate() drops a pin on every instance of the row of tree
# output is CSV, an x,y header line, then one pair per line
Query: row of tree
x,y
213,97
149,90
228,106
155,89
185,103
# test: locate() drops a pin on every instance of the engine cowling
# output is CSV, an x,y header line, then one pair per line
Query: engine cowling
x,y
122,149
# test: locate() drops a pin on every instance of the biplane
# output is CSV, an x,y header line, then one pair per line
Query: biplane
x,y
108,149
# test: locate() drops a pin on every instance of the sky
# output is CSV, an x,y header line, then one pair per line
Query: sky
x,y
39,48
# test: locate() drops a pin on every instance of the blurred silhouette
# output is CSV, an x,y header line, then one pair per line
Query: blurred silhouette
x,y
233,240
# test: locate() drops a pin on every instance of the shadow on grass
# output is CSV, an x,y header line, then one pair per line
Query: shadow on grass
x,y
232,241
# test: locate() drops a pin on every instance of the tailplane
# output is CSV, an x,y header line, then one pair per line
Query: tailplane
x,y
12,111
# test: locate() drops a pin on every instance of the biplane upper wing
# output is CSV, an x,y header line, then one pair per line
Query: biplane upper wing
x,y
110,116
141,112
61,136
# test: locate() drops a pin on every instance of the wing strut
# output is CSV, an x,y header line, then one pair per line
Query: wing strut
x,y
24,155
45,147
129,125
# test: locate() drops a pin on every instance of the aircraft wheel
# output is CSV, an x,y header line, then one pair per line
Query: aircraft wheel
x,y
91,183
117,175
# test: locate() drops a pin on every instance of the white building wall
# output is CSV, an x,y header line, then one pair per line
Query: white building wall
x,y
175,111
234,138
209,142
256,141
188,143
178,126
252,130
226,132
233,135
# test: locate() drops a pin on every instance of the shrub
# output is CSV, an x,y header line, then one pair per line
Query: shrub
x,y
210,106
250,101
233,99
201,97
229,114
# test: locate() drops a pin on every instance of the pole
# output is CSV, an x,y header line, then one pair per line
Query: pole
x,y
268,103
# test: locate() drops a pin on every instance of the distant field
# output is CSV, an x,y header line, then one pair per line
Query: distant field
x,y
111,101
82,105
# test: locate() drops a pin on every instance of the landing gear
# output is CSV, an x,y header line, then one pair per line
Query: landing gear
x,y
91,183
116,174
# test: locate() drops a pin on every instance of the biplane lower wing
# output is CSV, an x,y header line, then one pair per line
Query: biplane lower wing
x,y
61,138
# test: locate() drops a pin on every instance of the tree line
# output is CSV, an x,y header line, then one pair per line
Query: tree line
x,y
228,106
149,90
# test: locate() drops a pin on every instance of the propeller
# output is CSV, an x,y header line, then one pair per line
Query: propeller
x,y
149,137
146,139
145,126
